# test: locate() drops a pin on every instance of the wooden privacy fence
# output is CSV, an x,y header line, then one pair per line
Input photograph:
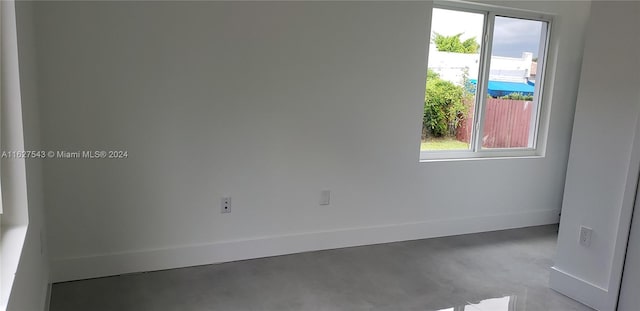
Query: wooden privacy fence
x,y
506,124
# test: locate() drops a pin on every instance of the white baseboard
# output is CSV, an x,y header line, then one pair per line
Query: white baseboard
x,y
587,293
68,269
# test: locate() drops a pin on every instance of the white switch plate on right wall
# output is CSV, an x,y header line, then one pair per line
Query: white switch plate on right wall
x,y
325,197
585,236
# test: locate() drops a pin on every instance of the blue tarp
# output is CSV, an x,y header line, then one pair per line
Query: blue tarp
x,y
501,88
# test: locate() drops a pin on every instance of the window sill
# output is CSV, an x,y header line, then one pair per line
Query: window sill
x,y
470,156
12,241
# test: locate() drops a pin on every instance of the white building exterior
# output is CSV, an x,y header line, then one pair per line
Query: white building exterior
x,y
451,66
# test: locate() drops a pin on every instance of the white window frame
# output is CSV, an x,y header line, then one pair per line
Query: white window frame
x,y
15,217
542,98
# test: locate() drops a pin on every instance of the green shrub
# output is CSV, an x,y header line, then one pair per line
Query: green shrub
x,y
443,105
518,96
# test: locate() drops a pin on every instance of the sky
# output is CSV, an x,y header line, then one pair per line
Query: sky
x,y
511,36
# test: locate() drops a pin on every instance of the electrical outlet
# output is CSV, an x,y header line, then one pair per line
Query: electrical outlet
x,y
585,236
325,197
225,205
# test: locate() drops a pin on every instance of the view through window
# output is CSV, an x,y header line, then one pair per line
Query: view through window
x,y
482,95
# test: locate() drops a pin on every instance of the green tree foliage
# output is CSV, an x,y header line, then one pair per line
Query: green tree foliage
x,y
455,44
443,105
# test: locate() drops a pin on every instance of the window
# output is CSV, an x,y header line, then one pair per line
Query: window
x,y
485,75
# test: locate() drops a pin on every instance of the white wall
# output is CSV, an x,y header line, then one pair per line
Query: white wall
x,y
603,164
29,291
269,103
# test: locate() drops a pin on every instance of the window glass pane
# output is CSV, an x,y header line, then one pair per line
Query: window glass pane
x,y
512,100
454,62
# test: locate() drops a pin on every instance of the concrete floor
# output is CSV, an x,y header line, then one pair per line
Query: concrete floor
x,y
493,271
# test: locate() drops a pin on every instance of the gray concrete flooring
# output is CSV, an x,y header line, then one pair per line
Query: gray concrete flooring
x,y
492,271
